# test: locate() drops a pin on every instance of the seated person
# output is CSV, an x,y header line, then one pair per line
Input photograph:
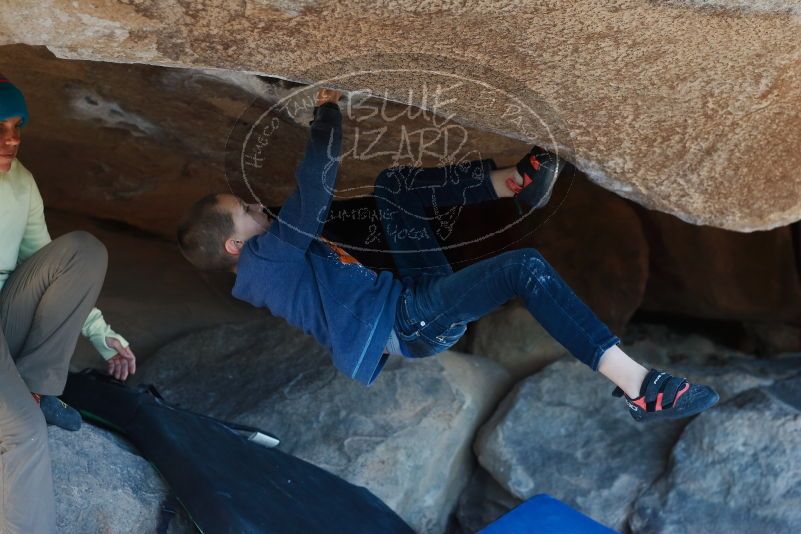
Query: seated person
x,y
48,291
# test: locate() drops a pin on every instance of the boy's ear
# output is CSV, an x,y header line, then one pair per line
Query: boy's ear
x,y
233,246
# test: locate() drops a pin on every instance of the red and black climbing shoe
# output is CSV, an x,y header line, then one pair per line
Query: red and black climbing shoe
x,y
664,396
539,170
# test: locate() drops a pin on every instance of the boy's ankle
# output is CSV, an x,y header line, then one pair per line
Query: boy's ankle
x,y
634,387
500,179
632,393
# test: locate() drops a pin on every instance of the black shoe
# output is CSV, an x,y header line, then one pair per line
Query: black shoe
x,y
59,413
664,396
539,170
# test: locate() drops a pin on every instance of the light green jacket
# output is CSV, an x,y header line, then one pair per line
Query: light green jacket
x,y
23,231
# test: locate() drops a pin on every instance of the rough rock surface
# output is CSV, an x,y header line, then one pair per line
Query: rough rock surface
x,y
788,391
407,437
772,339
141,143
707,272
663,103
561,432
482,502
102,485
734,469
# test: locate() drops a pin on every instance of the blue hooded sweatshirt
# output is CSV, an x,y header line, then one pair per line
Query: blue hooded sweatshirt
x,y
312,284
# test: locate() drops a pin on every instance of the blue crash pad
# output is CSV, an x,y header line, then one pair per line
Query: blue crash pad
x,y
542,514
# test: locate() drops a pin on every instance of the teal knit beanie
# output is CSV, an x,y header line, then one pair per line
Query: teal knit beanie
x,y
12,103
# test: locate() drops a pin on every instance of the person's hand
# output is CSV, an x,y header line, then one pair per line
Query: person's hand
x,y
123,363
326,95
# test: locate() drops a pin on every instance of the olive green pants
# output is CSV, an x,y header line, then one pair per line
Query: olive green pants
x,y
43,306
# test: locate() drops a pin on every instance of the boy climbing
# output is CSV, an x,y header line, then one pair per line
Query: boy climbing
x,y
362,316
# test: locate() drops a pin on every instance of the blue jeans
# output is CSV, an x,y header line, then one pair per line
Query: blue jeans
x,y
436,303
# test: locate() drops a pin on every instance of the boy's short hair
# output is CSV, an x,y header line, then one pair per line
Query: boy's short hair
x,y
202,235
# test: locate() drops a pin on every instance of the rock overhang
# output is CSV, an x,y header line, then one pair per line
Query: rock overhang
x,y
686,108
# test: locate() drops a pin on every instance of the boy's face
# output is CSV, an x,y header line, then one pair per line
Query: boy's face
x,y
249,219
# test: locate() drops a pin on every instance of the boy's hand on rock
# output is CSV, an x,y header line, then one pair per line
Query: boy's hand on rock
x,y
326,95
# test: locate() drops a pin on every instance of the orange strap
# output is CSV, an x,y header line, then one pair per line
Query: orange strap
x,y
344,257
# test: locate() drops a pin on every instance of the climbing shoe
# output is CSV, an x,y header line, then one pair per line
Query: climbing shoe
x,y
664,396
59,413
539,170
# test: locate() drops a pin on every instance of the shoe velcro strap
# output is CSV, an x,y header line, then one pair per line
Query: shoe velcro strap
x,y
671,388
665,384
656,381
525,167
